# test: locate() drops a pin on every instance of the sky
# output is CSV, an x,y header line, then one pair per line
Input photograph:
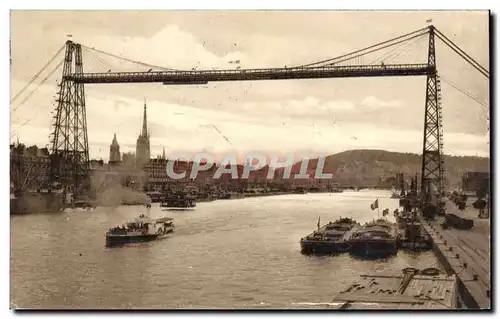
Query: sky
x,y
327,116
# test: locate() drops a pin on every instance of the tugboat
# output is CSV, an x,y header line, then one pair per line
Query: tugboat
x,y
141,229
378,238
330,239
412,236
179,200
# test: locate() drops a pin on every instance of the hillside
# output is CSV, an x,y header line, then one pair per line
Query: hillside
x,y
371,167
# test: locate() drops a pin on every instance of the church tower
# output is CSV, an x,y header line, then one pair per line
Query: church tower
x,y
142,150
114,151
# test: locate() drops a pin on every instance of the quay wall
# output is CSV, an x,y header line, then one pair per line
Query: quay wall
x,y
465,253
36,203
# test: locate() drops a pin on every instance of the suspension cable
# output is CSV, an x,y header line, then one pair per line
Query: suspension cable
x,y
37,74
403,46
465,92
462,54
128,60
389,54
426,29
462,51
38,86
413,56
416,52
373,50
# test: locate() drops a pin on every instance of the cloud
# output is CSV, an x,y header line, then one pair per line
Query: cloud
x,y
313,110
170,47
119,104
176,48
373,103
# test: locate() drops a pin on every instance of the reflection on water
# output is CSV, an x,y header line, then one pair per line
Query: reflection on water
x,y
225,254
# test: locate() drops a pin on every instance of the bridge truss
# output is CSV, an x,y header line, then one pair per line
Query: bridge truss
x,y
70,150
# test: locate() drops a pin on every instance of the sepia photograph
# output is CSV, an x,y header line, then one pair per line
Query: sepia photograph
x,y
250,159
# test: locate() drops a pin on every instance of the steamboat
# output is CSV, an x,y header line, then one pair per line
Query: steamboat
x,y
141,229
331,238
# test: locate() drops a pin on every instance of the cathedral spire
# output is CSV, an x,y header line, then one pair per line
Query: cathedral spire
x,y
145,121
114,151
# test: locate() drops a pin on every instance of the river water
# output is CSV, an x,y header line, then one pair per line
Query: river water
x,y
241,253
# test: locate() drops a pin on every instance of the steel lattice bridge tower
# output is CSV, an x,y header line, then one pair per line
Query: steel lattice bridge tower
x,y
70,142
432,153
70,148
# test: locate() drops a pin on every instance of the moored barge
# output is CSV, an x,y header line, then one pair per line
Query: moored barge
x,y
378,238
330,239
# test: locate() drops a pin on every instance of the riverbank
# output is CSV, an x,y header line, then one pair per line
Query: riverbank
x,y
41,207
267,194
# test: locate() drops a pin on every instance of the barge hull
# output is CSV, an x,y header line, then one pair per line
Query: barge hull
x,y
323,248
373,248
